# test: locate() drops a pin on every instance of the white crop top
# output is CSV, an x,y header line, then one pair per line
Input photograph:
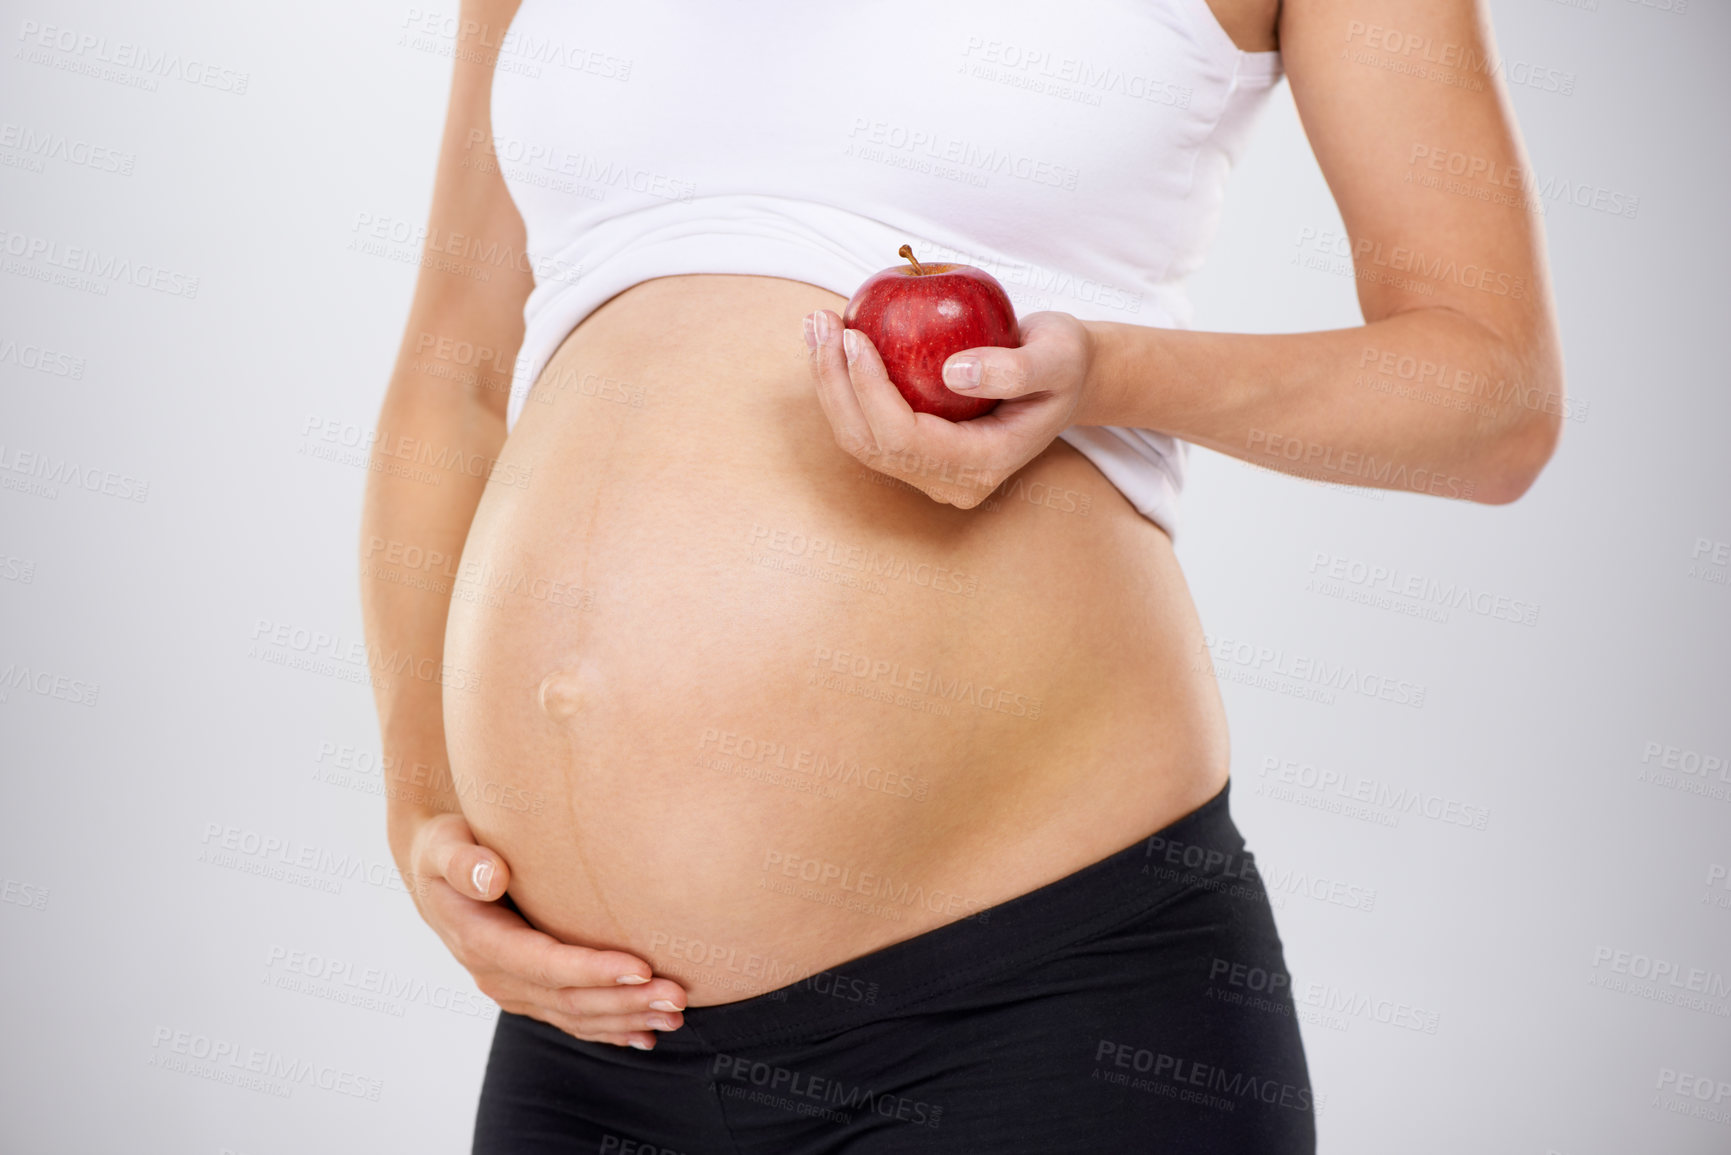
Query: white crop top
x,y
1076,151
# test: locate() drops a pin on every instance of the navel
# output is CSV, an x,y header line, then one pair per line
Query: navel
x,y
561,694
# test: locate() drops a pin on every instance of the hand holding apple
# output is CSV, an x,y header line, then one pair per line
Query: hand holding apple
x,y
918,315
1037,389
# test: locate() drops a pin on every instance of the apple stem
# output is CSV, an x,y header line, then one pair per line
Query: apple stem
x,y
908,252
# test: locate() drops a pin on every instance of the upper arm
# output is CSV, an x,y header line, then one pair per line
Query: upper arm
x,y
1410,121
474,276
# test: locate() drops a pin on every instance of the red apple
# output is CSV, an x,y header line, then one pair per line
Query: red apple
x,y
917,316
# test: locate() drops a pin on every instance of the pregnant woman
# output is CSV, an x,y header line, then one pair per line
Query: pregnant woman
x,y
801,775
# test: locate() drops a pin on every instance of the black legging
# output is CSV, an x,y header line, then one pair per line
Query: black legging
x,y
1139,1004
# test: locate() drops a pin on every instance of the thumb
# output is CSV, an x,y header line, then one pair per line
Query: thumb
x,y
994,371
448,850
1048,356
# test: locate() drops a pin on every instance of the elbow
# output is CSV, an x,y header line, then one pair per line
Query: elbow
x,y
1520,452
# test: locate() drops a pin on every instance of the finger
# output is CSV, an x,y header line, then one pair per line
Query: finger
x,y
989,372
952,461
587,1002
891,419
515,962
592,1025
515,992
835,393
643,1040
1048,356
446,848
507,942
941,457
597,1008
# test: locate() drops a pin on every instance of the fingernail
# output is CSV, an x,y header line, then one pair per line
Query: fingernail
x,y
663,1005
850,344
661,1023
820,327
631,980
641,1045
811,331
483,876
962,373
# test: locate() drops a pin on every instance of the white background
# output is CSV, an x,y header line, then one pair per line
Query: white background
x,y
124,929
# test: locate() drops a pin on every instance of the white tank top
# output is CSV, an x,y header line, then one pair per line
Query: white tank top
x,y
1076,151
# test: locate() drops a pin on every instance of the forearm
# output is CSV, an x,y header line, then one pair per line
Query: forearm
x,y
415,522
1428,400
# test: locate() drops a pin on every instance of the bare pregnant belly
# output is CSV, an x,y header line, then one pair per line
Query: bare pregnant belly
x,y
750,710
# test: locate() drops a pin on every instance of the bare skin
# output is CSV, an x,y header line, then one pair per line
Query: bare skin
x,y
713,648
661,721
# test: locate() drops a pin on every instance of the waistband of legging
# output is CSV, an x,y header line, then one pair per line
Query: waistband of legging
x,y
1201,849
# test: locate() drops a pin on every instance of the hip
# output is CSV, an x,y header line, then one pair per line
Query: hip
x,y
1104,1011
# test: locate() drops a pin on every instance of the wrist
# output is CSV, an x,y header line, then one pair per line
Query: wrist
x,y
1097,403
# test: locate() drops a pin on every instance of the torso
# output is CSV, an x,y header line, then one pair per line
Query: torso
x,y
703,738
